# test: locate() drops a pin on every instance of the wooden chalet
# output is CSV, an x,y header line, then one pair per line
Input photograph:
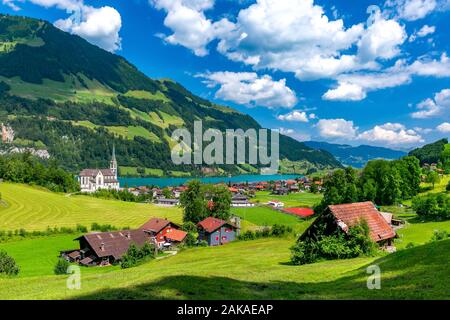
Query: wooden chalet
x,y
164,232
342,217
105,248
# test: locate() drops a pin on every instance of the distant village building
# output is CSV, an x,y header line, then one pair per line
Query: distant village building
x,y
216,232
7,134
240,201
167,202
92,180
276,204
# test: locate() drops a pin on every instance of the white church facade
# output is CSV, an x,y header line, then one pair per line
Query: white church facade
x,y
92,180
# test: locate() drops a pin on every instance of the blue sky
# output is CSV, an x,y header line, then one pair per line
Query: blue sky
x,y
337,71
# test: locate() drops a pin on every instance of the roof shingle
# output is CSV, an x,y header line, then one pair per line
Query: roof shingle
x,y
352,214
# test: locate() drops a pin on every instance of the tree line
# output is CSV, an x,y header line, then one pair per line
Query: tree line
x,y
25,168
382,182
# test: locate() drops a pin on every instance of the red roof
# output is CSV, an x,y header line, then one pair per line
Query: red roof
x,y
232,189
302,212
352,214
174,234
211,224
155,225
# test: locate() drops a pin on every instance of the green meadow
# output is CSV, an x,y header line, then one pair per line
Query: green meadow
x,y
258,269
300,199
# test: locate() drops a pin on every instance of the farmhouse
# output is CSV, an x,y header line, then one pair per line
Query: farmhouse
x,y
164,232
216,232
344,216
92,180
105,248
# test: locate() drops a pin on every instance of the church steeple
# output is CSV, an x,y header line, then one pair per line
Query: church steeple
x,y
113,163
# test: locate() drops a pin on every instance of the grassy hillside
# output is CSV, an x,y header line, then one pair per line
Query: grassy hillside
x,y
35,209
251,270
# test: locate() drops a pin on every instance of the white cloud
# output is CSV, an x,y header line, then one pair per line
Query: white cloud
x,y
336,129
391,134
423,32
293,134
381,40
354,87
438,106
444,127
191,28
412,10
11,4
250,89
346,91
296,116
100,26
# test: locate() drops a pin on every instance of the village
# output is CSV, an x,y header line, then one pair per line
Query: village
x,y
108,248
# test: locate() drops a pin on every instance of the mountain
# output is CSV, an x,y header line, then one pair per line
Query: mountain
x,y
356,156
60,93
430,153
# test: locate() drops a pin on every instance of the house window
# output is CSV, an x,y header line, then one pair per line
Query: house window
x,y
217,238
224,237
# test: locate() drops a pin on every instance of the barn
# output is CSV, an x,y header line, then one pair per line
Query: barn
x,y
345,216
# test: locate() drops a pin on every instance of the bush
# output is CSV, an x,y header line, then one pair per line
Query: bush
x,y
8,265
61,266
439,235
280,230
203,243
432,206
136,255
410,245
102,227
355,243
447,188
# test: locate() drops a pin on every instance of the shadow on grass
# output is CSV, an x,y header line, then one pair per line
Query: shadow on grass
x,y
415,273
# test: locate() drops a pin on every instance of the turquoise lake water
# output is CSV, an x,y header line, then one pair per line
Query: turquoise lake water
x,y
173,182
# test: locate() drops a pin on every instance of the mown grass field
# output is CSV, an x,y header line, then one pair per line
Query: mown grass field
x,y
264,216
35,209
301,199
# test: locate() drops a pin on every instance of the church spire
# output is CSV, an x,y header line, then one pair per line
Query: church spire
x,y
113,163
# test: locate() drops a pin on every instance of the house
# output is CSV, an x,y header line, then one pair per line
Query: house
x,y
344,216
165,232
92,180
167,202
240,201
216,231
106,248
276,204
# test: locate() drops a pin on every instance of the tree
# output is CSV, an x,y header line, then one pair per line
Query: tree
x,y
8,265
433,178
193,202
220,196
447,188
61,266
167,193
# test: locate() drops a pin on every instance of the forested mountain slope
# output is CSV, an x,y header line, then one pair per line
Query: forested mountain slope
x,y
60,93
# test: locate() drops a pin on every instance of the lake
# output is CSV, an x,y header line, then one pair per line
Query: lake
x,y
173,182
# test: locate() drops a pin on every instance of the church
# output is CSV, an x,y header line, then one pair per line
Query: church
x,y
92,180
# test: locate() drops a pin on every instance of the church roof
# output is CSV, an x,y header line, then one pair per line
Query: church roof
x,y
94,172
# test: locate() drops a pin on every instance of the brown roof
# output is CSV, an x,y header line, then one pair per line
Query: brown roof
x,y
75,254
155,225
211,224
349,215
115,243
